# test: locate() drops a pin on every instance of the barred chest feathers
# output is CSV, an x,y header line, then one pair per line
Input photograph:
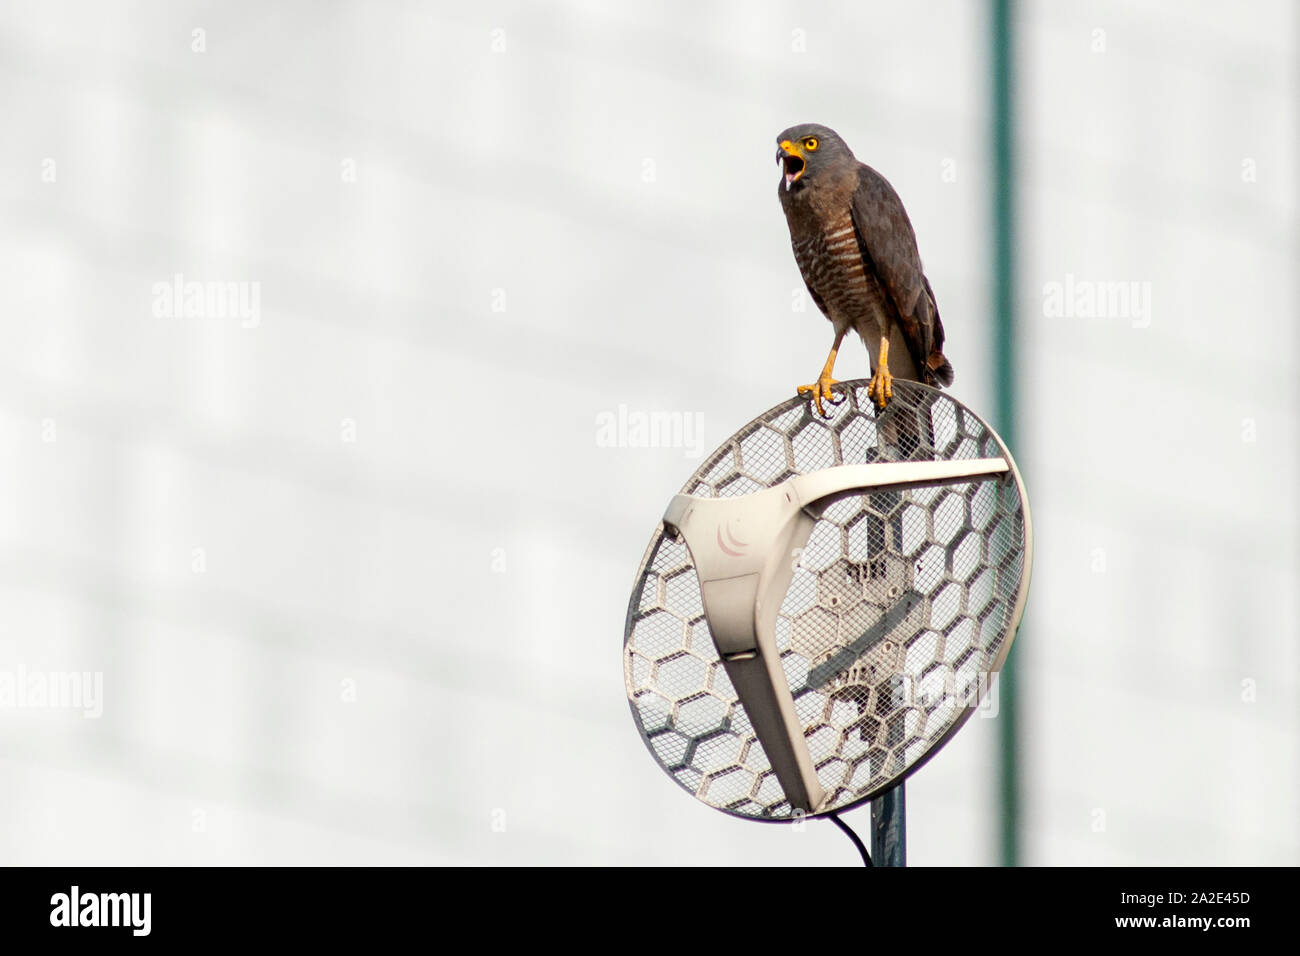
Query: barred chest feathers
x,y
831,262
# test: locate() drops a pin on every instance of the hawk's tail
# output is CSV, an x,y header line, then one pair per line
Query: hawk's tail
x,y
938,369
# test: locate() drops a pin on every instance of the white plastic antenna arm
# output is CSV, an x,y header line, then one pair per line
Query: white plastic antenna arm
x,y
745,550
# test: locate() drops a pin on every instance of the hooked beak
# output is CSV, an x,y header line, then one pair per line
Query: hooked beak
x,y
792,159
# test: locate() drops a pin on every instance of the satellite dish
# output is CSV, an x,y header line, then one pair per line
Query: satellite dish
x,y
824,603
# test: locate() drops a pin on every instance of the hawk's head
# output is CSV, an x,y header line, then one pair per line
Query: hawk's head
x,y
807,150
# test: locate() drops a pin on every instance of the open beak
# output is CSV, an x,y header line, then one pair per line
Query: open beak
x,y
791,158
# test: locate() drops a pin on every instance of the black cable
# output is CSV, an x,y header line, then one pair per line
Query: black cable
x,y
857,842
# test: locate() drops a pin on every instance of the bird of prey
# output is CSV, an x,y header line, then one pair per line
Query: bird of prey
x,y
857,253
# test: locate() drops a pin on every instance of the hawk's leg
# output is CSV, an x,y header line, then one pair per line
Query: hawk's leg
x,y
821,389
881,386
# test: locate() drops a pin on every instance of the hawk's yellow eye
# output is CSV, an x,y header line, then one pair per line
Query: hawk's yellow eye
x,y
810,143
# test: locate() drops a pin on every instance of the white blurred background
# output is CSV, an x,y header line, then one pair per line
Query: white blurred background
x,y
353,564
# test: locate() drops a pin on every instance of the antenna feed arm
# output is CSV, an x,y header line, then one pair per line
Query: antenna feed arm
x,y
745,550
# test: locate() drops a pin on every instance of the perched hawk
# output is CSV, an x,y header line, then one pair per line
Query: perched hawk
x,y
857,252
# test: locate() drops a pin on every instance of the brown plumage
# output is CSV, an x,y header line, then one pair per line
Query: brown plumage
x,y
857,252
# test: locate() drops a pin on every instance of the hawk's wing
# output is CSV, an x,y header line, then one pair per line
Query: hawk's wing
x,y
889,250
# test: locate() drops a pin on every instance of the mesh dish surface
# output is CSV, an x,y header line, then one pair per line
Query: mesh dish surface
x,y
902,605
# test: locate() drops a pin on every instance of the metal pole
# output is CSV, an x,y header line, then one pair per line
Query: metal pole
x,y
1003,53
889,828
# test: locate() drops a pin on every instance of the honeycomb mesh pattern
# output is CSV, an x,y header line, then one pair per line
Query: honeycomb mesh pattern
x,y
900,606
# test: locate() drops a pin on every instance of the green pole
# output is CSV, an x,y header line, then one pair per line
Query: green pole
x,y
1003,53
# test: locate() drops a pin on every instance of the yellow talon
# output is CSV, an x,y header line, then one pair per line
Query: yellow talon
x,y
821,389
881,386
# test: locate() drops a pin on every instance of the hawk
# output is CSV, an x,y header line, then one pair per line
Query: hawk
x,y
857,253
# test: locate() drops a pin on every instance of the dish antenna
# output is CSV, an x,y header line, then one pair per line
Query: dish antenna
x,y
825,603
